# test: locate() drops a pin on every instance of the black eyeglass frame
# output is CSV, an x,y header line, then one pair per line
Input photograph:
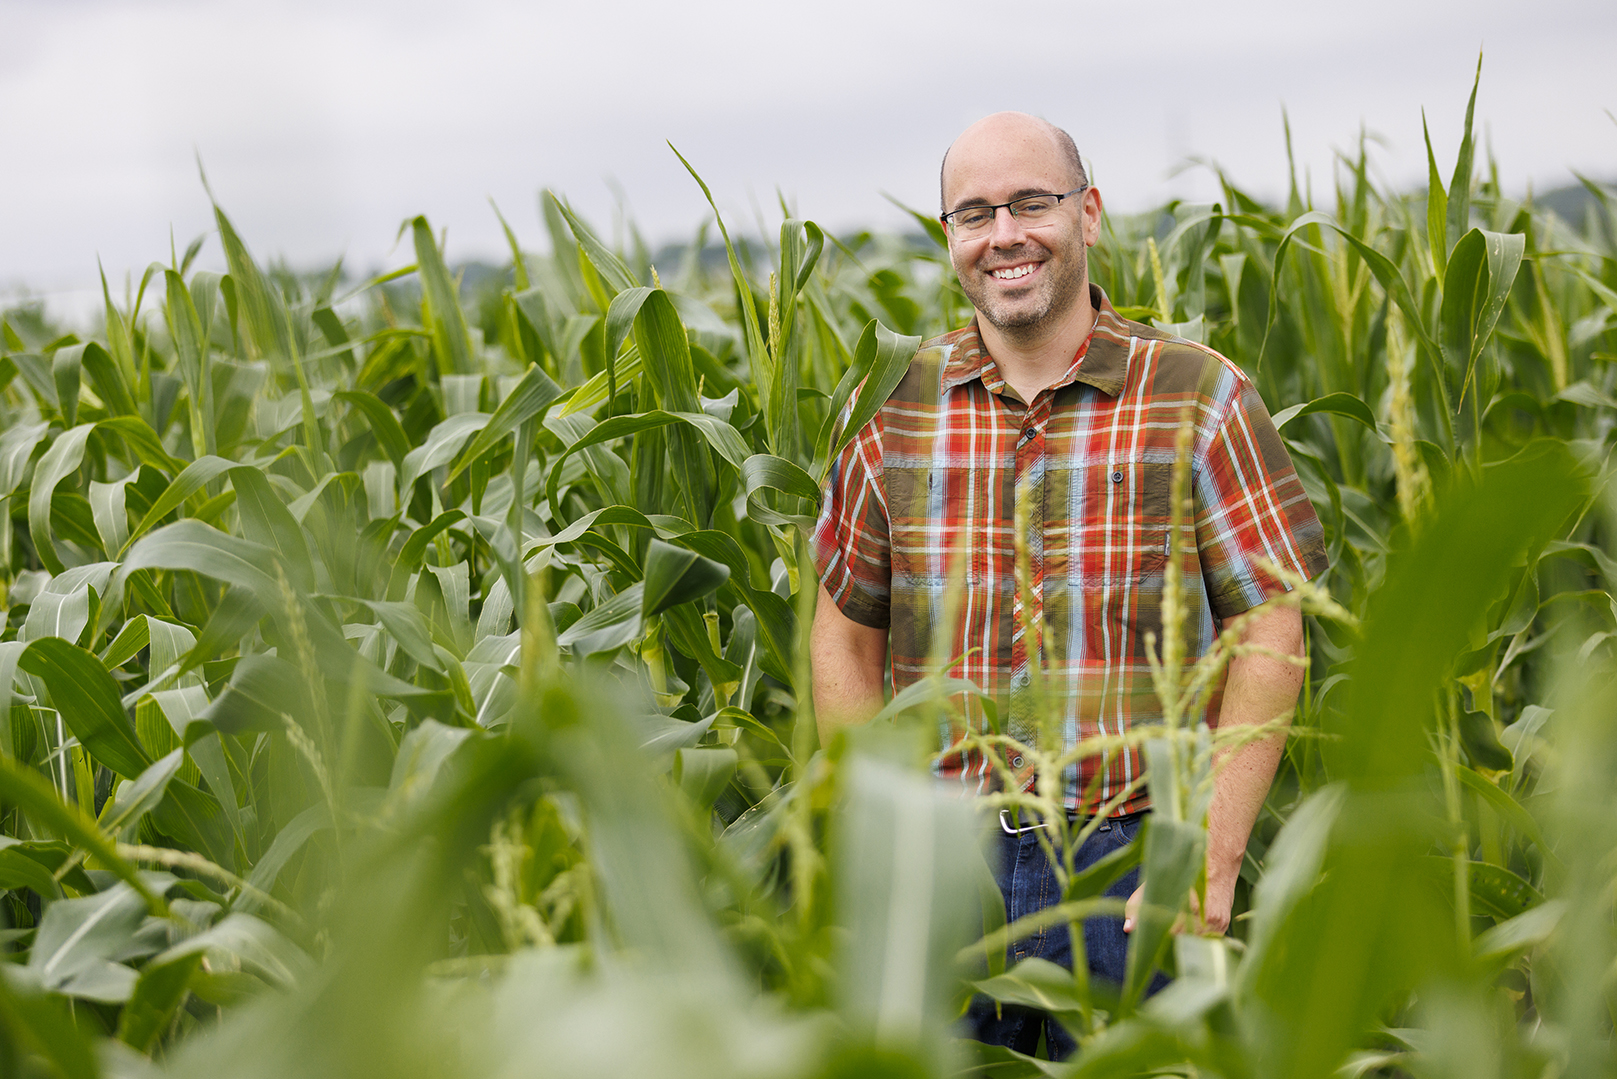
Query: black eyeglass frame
x,y
997,207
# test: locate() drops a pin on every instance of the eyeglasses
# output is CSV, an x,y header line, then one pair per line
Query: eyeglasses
x,y
971,220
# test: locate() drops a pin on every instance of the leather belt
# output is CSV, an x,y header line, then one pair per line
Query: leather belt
x,y
1105,825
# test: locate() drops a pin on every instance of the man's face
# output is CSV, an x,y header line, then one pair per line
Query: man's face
x,y
1019,277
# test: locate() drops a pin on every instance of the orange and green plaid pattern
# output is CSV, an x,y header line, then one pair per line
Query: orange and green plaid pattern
x,y
924,499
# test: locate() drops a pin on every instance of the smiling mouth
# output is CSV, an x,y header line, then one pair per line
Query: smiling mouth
x,y
1012,273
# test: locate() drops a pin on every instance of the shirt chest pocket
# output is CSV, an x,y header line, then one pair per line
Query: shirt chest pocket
x,y
1130,527
938,520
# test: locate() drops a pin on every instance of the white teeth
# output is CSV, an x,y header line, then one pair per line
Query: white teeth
x,y
1014,272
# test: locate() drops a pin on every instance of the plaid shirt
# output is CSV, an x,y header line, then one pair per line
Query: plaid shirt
x,y
926,494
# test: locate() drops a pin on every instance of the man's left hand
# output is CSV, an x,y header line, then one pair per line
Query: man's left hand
x,y
1220,901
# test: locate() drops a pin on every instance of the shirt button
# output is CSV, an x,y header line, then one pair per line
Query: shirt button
x,y
1117,477
1030,434
1016,761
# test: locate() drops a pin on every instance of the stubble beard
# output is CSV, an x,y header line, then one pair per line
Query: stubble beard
x,y
1059,296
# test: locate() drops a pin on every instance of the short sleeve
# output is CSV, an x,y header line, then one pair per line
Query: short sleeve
x,y
1251,509
851,547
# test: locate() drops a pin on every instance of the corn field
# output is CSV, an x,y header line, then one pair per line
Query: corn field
x,y
408,678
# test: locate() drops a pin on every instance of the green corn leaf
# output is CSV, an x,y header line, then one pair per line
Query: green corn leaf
x,y
519,267
108,505
1458,217
261,689
621,315
666,359
142,442
185,328
776,622
1521,933
26,788
288,841
1500,892
156,997
260,310
415,549
1038,983
1481,271
62,609
607,625
198,547
1510,811
1481,742
138,798
533,314
134,636
331,328
1336,404
197,475
183,711
529,400
239,610
930,689
17,445
1392,280
443,443
196,819
452,341
763,471
1437,205
719,435
1292,870
906,905
703,772
406,624
1312,218
169,642
18,870
78,940
41,1022
60,461
384,424
87,698
675,575
611,268
763,366
66,368
597,389
266,520
1173,856
882,358
245,942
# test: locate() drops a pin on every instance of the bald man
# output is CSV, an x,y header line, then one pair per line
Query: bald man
x,y
1050,401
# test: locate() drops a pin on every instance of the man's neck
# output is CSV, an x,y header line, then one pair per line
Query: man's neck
x,y
1034,357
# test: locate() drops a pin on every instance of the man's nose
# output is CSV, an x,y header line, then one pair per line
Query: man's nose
x,y
1007,230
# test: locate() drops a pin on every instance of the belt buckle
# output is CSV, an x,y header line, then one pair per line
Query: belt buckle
x,y
1005,823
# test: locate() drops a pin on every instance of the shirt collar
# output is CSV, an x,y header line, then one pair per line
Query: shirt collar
x,y
1101,361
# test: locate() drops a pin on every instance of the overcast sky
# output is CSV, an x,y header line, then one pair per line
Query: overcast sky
x,y
322,125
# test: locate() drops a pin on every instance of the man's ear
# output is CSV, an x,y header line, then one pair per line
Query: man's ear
x,y
1092,210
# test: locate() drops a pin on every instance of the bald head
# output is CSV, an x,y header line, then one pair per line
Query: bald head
x,y
991,134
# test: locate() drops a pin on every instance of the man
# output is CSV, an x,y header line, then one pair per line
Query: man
x,y
1051,401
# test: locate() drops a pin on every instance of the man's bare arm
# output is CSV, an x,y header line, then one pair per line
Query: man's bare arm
x,y
1260,688
848,662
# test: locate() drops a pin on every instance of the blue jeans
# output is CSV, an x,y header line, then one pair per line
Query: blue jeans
x,y
1028,883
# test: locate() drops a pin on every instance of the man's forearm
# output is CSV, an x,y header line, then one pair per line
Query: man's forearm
x,y
848,662
1261,688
